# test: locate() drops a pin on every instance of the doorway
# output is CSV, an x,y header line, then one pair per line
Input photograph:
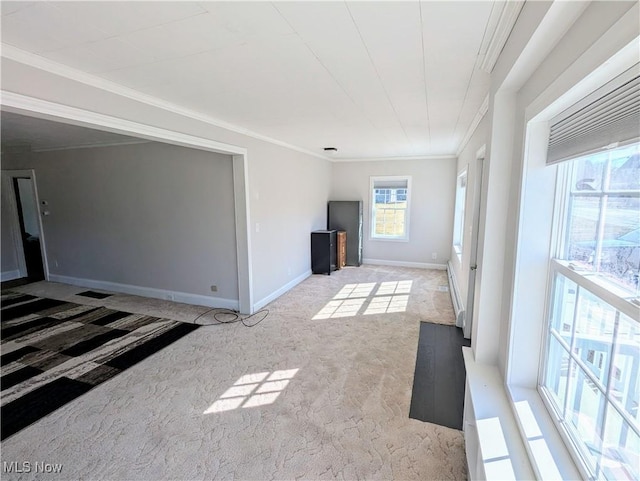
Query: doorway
x,y
27,228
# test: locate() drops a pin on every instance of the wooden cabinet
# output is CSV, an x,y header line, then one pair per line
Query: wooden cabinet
x,y
341,260
323,251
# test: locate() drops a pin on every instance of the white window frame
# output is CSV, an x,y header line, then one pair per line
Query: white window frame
x,y
459,212
372,217
552,452
591,282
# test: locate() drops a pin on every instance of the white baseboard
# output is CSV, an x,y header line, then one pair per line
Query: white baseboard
x,y
418,265
184,297
274,295
10,275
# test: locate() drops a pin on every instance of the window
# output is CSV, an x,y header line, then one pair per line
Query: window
x,y
458,220
390,207
591,371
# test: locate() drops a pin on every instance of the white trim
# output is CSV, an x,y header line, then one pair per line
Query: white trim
x,y
507,20
113,143
372,205
482,111
493,442
63,113
417,265
36,61
243,232
277,293
21,104
408,157
9,175
175,296
547,453
10,275
8,194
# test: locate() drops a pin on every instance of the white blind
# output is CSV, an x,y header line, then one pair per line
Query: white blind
x,y
390,183
611,115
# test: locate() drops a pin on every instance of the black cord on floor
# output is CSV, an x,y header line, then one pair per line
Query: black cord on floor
x,y
232,317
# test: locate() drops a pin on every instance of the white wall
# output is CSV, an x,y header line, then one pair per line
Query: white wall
x,y
431,210
150,215
547,42
280,251
467,160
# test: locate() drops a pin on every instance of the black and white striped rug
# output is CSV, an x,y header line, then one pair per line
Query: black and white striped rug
x,y
54,351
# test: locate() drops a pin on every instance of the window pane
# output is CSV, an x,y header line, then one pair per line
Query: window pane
x,y
585,408
625,169
603,223
582,231
625,382
564,302
588,173
458,222
595,323
620,251
621,448
557,372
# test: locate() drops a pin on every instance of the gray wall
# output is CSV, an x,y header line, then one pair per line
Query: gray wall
x,y
280,251
431,207
149,215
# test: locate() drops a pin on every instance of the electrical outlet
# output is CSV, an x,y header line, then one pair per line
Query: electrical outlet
x,y
434,255
214,288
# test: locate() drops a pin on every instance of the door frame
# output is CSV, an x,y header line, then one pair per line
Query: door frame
x,y
33,107
473,244
8,177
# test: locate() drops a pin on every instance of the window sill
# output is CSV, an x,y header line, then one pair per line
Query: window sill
x,y
509,434
389,239
493,443
547,451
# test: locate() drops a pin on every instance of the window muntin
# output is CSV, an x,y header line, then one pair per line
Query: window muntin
x,y
390,207
458,219
603,220
590,374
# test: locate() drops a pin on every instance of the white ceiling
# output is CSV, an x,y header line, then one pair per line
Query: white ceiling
x,y
374,79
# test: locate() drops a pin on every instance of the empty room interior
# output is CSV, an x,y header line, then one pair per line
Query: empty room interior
x,y
320,240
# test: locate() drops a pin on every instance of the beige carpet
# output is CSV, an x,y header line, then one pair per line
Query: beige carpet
x,y
319,390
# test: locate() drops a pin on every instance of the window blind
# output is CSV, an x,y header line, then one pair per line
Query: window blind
x,y
390,184
609,116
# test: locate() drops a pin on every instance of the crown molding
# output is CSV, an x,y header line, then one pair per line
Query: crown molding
x,y
96,145
482,111
27,58
507,20
413,157
21,104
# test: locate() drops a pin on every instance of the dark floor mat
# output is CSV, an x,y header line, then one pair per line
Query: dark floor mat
x,y
94,294
438,383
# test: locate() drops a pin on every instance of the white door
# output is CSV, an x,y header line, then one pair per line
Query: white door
x,y
473,259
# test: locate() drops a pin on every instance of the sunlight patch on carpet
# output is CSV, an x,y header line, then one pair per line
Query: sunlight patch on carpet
x,y
357,299
253,390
